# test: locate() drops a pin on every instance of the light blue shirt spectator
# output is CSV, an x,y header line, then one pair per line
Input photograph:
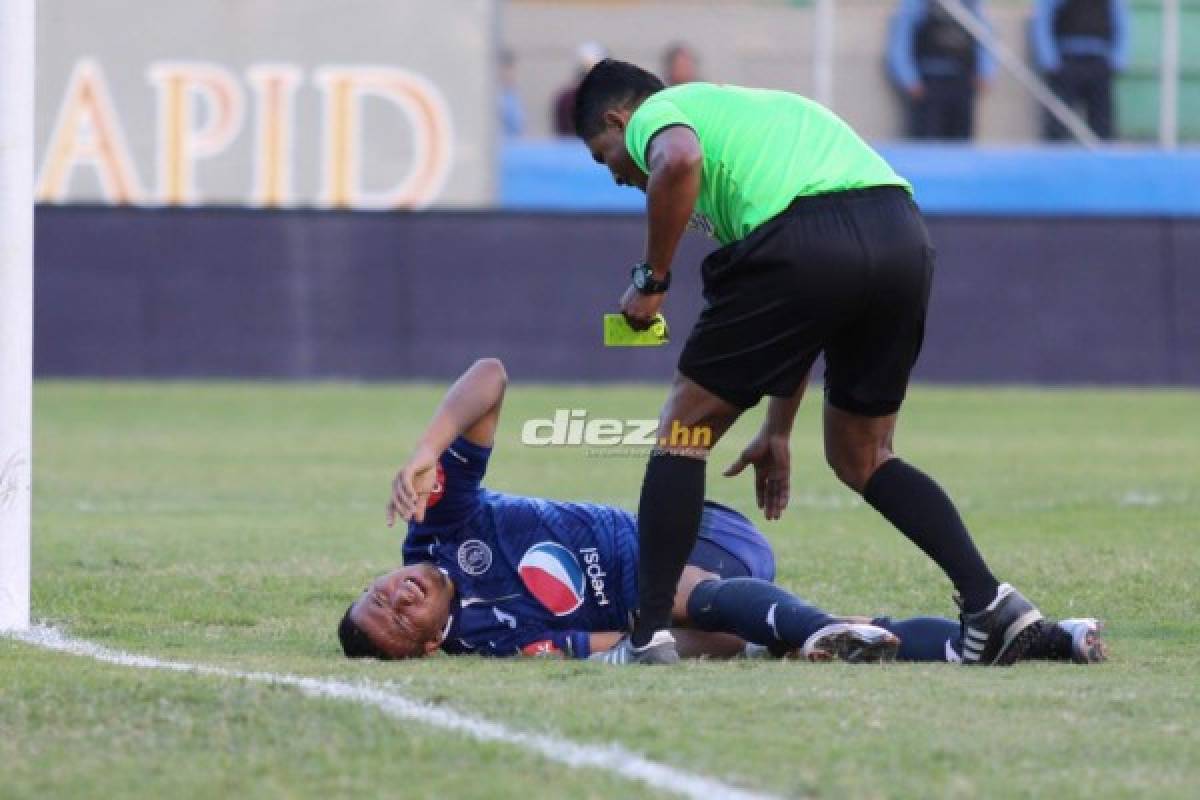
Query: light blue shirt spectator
x,y
1049,49
907,67
512,114
508,100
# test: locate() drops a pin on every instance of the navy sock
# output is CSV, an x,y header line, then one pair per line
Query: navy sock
x,y
758,611
924,638
669,513
914,503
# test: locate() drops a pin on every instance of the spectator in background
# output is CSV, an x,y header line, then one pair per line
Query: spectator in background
x,y
588,55
512,113
939,68
1079,46
680,65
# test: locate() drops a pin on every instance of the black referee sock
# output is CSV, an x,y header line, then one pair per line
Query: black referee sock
x,y
914,503
668,523
758,611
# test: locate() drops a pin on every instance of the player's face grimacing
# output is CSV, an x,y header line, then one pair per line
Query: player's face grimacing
x,y
404,612
608,148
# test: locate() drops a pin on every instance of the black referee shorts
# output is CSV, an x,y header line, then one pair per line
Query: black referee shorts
x,y
846,273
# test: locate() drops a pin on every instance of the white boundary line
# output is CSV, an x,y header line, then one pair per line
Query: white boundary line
x,y
610,758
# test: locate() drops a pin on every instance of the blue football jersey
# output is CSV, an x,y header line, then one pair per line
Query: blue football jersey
x,y
532,575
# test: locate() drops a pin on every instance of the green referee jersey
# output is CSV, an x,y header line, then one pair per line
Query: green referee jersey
x,y
762,149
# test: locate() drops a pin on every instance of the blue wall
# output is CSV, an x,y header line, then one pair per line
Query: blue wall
x,y
127,292
947,179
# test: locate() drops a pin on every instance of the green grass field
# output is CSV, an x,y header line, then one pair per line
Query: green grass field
x,y
231,524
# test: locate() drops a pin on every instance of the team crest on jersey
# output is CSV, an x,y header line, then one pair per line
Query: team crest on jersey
x,y
474,557
552,574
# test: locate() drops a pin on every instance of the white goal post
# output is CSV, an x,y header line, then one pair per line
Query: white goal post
x,y
16,307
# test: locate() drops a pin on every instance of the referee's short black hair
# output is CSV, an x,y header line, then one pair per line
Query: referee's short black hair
x,y
610,84
355,642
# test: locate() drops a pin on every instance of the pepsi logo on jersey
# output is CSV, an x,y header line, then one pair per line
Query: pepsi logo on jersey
x,y
552,574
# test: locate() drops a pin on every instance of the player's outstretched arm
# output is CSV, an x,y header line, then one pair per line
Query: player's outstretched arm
x,y
471,409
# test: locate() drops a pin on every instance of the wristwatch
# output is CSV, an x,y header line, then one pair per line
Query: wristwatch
x,y
645,282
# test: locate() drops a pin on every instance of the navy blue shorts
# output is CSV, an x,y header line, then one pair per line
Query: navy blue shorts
x,y
730,546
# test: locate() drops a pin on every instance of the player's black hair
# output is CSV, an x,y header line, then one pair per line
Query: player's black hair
x,y
355,642
610,84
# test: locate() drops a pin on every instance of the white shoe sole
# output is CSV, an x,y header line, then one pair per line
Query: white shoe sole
x,y
852,643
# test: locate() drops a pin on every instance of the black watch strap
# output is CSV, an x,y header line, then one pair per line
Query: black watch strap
x,y
645,282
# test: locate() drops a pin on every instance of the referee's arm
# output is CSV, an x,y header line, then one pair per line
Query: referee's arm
x,y
781,411
675,161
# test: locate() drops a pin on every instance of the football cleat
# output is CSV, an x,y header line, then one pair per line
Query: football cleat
x,y
659,650
1004,632
855,643
1086,645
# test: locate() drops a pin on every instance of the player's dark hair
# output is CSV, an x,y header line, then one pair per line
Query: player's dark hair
x,y
355,642
610,84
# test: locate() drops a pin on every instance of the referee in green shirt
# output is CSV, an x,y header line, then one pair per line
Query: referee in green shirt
x,y
823,250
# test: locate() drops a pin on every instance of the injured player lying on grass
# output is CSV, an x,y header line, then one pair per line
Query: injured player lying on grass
x,y
498,574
